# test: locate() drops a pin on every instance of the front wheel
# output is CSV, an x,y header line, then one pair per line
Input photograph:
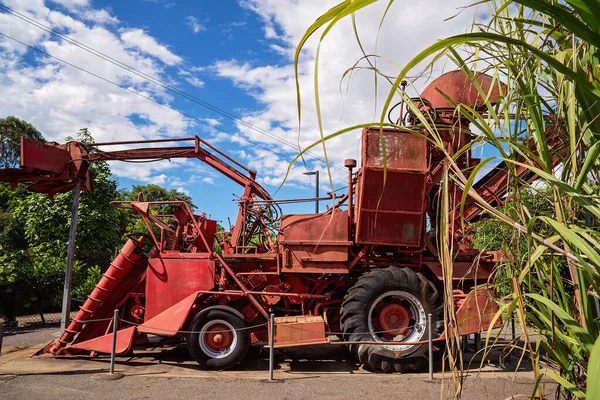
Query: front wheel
x,y
218,340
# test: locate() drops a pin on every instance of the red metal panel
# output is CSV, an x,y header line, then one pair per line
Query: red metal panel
x,y
477,312
390,205
402,191
103,344
404,151
170,280
310,240
299,331
390,214
168,322
45,157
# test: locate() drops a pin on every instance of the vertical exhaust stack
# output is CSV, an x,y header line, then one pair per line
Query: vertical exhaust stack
x,y
107,294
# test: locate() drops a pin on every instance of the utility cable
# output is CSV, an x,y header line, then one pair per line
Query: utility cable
x,y
145,97
157,81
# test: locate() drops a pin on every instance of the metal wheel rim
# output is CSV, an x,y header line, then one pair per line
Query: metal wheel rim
x,y
416,333
224,352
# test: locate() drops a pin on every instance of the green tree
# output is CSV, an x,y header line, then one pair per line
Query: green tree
x,y
131,221
34,237
11,131
13,244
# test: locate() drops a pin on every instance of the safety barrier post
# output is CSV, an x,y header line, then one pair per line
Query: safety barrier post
x,y
271,343
114,341
512,325
430,346
1,336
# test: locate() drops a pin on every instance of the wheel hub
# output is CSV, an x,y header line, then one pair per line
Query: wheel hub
x,y
218,337
393,319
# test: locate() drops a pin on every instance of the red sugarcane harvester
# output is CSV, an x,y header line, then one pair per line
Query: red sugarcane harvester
x,y
367,269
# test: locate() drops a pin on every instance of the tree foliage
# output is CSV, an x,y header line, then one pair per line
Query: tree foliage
x,y
11,131
34,230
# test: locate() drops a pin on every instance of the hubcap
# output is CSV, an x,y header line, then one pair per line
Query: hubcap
x,y
217,339
397,316
393,319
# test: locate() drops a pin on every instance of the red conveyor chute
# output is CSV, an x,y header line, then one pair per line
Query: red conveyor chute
x,y
116,283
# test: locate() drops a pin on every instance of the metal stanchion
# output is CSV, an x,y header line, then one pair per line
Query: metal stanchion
x,y
112,375
66,304
114,341
1,336
430,330
512,325
271,343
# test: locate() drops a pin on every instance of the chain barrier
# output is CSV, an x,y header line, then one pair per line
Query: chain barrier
x,y
87,321
186,332
288,325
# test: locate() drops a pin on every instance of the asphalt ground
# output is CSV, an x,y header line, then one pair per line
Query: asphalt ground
x,y
78,386
29,337
324,372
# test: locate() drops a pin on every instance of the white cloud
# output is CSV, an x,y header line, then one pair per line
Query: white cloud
x,y
70,4
409,28
194,24
182,190
99,17
140,40
208,180
58,99
194,81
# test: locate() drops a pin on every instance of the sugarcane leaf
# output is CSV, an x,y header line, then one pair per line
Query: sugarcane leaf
x,y
593,372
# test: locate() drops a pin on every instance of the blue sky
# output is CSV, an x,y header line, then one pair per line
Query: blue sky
x,y
235,55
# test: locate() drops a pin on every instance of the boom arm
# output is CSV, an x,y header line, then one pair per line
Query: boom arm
x,y
52,168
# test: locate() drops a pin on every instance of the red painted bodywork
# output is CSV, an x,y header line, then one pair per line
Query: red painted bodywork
x,y
170,280
390,209
299,265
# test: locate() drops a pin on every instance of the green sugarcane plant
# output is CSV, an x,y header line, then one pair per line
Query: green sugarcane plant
x,y
547,55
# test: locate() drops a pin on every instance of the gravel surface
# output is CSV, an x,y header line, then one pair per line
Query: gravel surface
x,y
79,386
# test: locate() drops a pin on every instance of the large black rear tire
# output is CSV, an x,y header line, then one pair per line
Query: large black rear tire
x,y
220,352
391,297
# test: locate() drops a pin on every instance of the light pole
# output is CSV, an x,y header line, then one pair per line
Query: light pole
x,y
316,174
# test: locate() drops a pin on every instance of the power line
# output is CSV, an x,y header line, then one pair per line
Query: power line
x,y
149,98
158,82
143,96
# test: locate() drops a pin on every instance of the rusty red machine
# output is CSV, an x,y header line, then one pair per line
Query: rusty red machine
x,y
366,270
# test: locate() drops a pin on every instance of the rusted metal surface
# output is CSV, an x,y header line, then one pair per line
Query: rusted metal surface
x,y
459,87
390,207
308,241
403,150
477,312
299,331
